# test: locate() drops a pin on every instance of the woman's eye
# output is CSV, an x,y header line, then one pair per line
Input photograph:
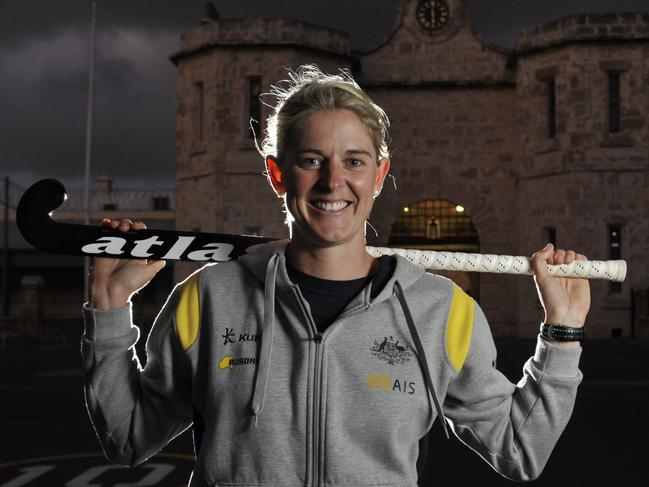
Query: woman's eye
x,y
311,162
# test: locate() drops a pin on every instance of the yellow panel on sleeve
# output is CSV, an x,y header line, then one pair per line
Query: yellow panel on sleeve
x,y
188,312
459,327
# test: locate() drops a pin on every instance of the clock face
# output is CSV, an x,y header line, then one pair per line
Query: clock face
x,y
432,15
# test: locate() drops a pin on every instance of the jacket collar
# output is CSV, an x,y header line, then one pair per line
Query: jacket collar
x,y
257,257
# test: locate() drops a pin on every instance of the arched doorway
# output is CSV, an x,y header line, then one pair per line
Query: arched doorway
x,y
439,225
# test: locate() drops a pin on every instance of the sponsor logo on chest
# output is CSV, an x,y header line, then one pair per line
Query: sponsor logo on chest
x,y
229,362
230,336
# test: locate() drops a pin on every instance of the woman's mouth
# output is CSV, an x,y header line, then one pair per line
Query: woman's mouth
x,y
330,206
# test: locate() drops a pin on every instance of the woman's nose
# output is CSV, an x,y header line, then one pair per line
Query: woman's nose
x,y
331,175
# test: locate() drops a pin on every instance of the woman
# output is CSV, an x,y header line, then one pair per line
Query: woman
x,y
307,360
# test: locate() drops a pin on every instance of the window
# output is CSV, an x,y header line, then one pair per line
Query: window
x,y
254,104
439,225
615,252
198,113
110,206
161,203
613,101
552,108
428,222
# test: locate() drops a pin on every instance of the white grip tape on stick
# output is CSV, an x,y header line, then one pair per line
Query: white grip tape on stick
x,y
613,270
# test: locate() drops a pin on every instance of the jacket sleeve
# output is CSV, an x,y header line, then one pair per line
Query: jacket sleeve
x,y
135,411
514,427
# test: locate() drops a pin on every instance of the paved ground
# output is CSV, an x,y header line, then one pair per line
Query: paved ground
x,y
46,438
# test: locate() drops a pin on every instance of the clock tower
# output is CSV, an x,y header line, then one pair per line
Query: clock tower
x,y
434,21
434,41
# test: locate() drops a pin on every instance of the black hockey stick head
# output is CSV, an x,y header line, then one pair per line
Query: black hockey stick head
x,y
33,214
35,223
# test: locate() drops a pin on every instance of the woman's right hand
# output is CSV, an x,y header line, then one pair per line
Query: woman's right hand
x,y
112,282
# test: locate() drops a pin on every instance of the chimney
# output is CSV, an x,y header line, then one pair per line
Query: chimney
x,y
210,13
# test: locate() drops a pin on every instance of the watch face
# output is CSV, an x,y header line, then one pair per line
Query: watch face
x,y
432,15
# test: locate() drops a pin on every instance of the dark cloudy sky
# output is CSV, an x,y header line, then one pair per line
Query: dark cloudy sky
x,y
44,49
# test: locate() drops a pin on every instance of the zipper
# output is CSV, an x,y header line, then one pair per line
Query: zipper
x,y
316,409
315,406
317,381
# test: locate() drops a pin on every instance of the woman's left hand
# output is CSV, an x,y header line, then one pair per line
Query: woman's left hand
x,y
566,300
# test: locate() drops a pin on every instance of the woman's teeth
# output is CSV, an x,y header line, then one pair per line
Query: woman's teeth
x,y
336,206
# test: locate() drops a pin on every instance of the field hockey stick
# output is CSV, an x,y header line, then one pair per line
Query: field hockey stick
x,y
613,270
34,220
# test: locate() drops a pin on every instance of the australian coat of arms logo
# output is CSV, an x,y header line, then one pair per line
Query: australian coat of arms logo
x,y
389,350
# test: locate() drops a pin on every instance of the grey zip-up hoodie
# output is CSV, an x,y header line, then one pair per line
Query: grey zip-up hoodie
x,y
235,352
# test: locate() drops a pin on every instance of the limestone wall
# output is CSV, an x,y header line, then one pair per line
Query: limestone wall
x,y
469,125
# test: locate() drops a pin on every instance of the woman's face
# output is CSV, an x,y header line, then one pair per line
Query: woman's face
x,y
330,175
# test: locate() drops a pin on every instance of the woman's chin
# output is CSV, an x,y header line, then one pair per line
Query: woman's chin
x,y
327,238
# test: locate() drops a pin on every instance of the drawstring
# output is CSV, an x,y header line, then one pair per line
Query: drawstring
x,y
420,352
261,380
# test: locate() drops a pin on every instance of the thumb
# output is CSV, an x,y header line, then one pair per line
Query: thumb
x,y
540,262
145,273
156,265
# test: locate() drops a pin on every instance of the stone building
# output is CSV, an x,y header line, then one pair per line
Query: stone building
x,y
495,150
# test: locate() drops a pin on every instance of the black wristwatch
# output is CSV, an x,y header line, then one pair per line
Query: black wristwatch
x,y
562,333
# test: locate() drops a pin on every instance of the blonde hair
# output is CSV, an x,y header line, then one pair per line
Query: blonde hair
x,y
310,90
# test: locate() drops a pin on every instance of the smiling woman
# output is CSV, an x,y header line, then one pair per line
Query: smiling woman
x,y
329,175
326,154
358,356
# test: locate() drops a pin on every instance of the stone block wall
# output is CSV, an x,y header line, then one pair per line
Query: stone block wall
x,y
586,178
587,27
220,181
458,145
469,125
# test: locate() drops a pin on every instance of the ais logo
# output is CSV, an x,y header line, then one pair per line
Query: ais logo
x,y
383,381
228,362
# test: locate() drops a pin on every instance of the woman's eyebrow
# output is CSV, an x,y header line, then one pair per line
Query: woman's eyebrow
x,y
358,151
309,149
349,151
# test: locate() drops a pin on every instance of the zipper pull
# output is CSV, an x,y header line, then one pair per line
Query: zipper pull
x,y
318,337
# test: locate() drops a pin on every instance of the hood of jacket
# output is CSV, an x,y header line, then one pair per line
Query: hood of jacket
x,y
257,258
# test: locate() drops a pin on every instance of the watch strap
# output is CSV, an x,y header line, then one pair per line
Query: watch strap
x,y
562,333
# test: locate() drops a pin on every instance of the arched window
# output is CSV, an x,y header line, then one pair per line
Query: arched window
x,y
433,224
438,225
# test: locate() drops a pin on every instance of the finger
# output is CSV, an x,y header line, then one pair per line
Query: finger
x,y
125,224
559,256
157,265
540,261
580,257
138,225
570,257
107,222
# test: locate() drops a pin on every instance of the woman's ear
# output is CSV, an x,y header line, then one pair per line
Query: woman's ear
x,y
381,173
274,173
